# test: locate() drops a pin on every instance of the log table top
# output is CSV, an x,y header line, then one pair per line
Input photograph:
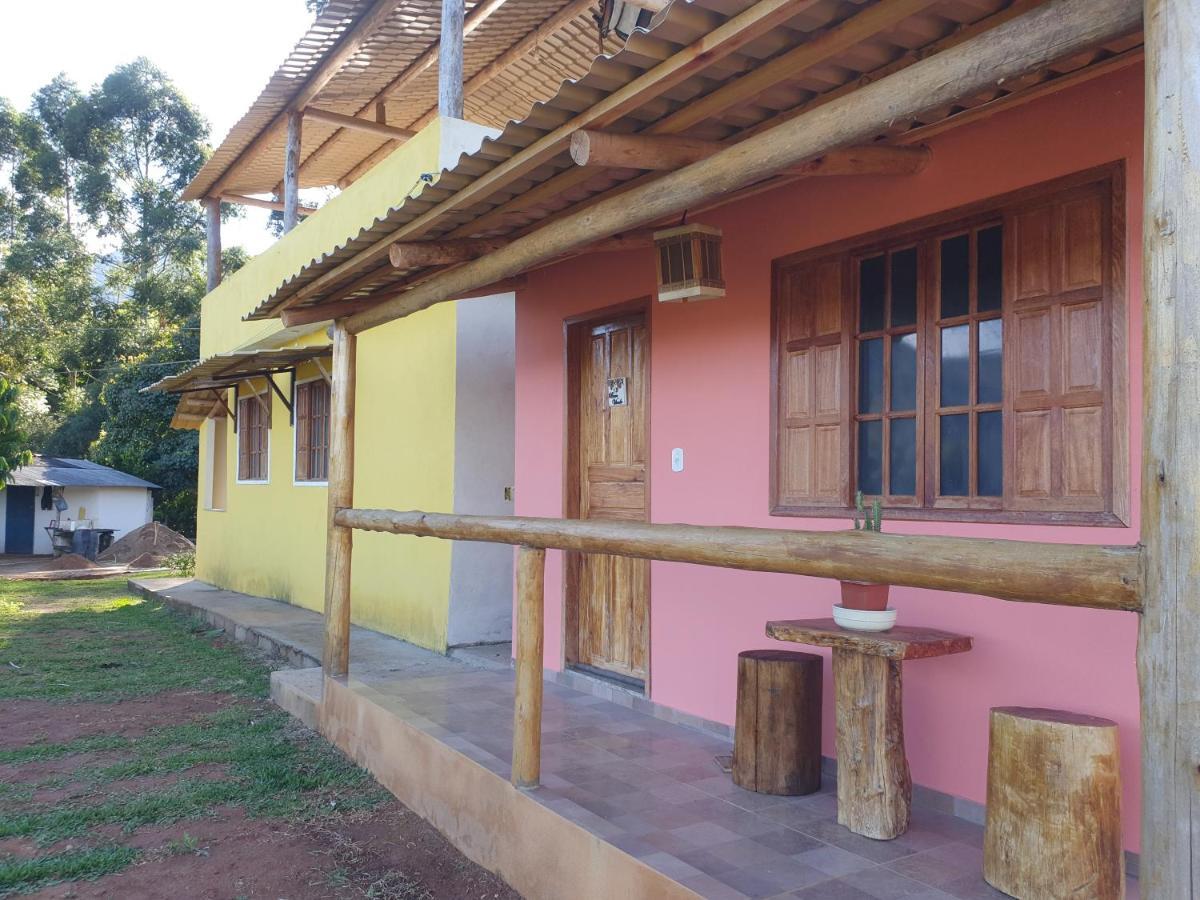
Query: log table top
x,y
901,642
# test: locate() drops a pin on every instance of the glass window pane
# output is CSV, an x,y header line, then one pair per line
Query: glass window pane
x,y
871,293
904,287
991,361
870,376
989,267
955,455
904,372
870,457
956,373
902,458
956,276
991,454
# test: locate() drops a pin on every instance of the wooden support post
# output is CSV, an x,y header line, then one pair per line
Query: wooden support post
x,y
1169,638
291,172
450,60
873,784
527,709
338,547
212,215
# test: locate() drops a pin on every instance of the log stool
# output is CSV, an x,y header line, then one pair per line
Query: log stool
x,y
1053,806
777,737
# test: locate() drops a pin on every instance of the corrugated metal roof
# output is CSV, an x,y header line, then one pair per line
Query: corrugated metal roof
x,y
225,369
54,471
329,154
532,178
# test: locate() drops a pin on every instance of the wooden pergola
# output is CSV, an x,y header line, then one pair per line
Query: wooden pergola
x,y
664,174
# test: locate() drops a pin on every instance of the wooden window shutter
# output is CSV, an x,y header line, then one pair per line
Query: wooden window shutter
x,y
244,435
1057,327
303,430
812,449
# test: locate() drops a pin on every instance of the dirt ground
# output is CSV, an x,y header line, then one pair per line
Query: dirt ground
x,y
110,788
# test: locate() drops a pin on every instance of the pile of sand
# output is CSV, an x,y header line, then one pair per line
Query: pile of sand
x,y
69,561
146,547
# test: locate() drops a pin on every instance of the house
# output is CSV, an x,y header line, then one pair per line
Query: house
x,y
928,281
52,490
439,396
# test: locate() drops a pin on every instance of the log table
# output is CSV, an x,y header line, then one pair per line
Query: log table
x,y
873,783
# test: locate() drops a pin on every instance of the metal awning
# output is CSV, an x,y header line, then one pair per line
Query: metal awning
x,y
227,369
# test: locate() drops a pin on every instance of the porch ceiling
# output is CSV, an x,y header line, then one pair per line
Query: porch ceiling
x,y
250,158
226,369
671,80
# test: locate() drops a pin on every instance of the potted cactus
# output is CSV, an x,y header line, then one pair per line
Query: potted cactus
x,y
864,603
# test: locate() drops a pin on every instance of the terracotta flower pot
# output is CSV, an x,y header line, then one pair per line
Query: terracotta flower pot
x,y
864,595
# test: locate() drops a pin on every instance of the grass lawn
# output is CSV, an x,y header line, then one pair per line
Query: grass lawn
x,y
136,741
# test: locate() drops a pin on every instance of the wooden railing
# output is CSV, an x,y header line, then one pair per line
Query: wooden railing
x,y
1062,574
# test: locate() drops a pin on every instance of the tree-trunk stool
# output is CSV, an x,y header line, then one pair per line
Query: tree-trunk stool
x,y
777,736
1053,806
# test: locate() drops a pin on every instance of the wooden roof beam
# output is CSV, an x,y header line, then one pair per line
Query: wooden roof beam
x,y
1023,44
665,152
260,203
326,311
728,38
416,254
354,123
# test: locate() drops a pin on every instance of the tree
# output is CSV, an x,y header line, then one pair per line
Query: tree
x,y
101,270
13,452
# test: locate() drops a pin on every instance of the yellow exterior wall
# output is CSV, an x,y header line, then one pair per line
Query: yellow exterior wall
x,y
270,538
384,186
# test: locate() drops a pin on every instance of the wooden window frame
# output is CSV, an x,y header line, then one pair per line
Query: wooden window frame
x,y
971,216
296,449
261,400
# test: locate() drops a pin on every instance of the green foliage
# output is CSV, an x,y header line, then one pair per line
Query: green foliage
x,y
256,757
101,271
70,865
182,565
13,451
867,519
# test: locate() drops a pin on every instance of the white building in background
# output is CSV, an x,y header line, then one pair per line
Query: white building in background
x,y
69,492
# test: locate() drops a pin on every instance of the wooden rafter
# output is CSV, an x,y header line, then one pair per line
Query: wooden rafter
x,y
722,41
1032,40
261,203
664,152
413,254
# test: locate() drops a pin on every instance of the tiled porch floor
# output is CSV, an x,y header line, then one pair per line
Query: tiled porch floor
x,y
647,786
653,789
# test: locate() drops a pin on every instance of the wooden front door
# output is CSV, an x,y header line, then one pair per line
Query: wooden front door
x,y
611,606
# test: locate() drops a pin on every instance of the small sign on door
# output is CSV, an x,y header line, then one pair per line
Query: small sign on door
x,y
616,392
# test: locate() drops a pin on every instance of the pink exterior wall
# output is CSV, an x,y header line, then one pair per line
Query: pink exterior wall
x,y
710,365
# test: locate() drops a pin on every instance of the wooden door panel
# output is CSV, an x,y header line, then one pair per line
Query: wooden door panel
x,y
613,592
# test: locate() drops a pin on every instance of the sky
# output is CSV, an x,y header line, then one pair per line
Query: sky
x,y
219,53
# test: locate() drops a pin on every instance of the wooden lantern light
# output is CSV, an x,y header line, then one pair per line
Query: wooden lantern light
x,y
689,263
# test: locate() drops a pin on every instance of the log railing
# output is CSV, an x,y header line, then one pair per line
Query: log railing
x,y
1062,574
